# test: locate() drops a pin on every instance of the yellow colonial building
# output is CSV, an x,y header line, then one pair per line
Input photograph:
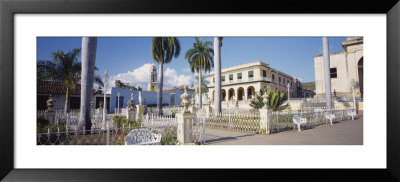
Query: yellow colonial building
x,y
241,82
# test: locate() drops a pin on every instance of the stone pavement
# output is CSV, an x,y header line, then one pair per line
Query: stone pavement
x,y
349,132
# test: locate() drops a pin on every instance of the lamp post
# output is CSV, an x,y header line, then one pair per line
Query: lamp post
x,y
118,95
105,80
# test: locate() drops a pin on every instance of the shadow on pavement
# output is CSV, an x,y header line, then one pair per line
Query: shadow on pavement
x,y
223,139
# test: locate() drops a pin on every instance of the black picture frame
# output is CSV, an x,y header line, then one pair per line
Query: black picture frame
x,y
8,8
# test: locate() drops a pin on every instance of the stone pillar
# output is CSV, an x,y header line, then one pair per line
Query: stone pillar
x,y
49,114
184,132
130,114
140,111
185,120
209,109
193,108
265,117
265,121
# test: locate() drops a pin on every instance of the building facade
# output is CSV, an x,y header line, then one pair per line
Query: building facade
x,y
346,69
58,90
240,83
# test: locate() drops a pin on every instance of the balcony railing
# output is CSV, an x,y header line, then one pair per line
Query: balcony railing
x,y
242,81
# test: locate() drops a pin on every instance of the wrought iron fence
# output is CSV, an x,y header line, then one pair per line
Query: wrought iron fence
x,y
111,136
234,121
198,129
284,121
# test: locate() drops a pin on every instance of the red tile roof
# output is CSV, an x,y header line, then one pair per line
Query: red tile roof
x,y
48,87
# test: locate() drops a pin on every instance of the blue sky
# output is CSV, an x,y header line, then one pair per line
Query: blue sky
x,y
129,58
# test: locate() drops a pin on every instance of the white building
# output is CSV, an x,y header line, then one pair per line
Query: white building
x,y
346,68
58,90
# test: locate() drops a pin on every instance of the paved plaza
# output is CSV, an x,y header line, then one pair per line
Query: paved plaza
x,y
349,132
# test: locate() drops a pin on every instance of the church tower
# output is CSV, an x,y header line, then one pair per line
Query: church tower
x,y
152,82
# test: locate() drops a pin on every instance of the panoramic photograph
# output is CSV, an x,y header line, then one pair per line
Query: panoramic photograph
x,y
199,91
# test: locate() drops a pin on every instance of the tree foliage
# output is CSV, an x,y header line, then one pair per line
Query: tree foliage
x,y
204,84
201,56
120,84
163,49
258,102
64,68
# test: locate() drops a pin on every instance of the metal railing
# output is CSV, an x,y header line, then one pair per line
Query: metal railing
x,y
242,81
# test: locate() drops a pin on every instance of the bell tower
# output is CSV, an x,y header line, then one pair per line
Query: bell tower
x,y
152,82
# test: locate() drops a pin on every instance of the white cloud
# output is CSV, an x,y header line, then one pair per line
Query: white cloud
x,y
186,70
140,76
171,79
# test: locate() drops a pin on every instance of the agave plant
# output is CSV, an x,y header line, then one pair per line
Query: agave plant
x,y
275,102
276,99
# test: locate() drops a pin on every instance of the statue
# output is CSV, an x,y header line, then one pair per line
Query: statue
x,y
131,102
140,98
265,99
185,99
50,103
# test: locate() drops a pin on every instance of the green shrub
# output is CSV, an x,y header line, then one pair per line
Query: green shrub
x,y
42,121
169,136
43,125
122,121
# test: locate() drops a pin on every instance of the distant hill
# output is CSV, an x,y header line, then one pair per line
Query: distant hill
x,y
309,86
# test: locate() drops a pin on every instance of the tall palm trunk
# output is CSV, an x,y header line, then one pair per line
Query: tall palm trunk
x,y
217,73
200,92
66,105
160,87
327,72
89,46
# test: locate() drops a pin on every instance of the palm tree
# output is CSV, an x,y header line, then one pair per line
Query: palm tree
x,y
200,58
327,72
63,68
204,84
217,73
162,51
89,46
